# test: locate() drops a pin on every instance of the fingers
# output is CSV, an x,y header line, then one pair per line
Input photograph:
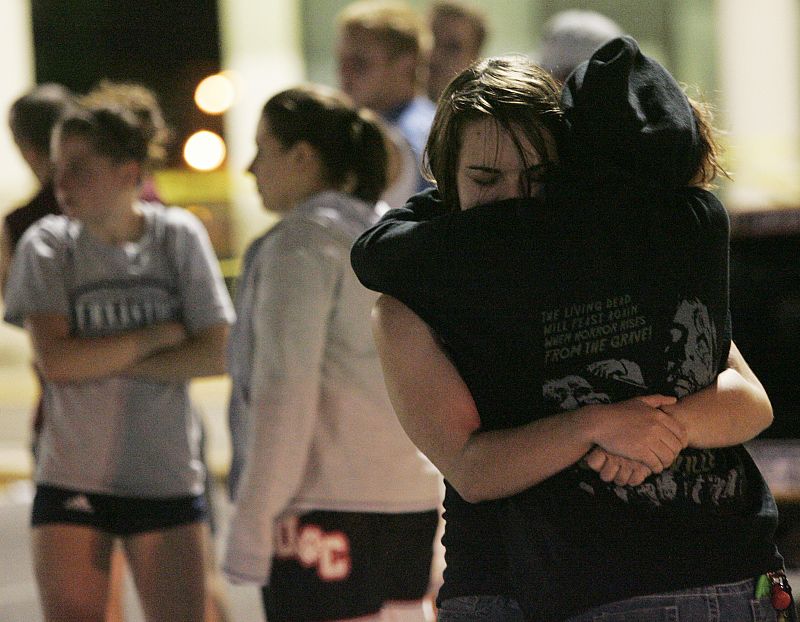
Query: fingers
x,y
664,448
655,461
641,433
610,469
623,472
657,401
596,458
669,438
639,474
656,449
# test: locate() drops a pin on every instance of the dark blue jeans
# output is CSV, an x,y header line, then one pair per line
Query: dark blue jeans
x,y
715,603
489,608
730,602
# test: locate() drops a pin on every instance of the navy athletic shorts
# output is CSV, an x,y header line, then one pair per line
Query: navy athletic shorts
x,y
335,565
119,516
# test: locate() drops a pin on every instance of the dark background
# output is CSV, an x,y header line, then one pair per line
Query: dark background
x,y
166,45
765,308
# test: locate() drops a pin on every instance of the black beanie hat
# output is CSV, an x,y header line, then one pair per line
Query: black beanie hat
x,y
628,117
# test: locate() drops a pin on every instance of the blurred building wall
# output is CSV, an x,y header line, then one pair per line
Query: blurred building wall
x,y
262,53
759,61
16,181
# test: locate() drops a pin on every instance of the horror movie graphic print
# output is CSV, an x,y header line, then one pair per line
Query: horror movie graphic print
x,y
620,325
691,354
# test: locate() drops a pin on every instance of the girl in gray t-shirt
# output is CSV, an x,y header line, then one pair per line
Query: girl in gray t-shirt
x,y
124,303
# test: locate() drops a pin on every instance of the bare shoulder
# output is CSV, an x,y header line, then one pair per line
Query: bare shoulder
x,y
396,325
390,306
390,313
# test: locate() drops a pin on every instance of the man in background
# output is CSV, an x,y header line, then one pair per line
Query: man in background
x,y
31,120
382,54
459,32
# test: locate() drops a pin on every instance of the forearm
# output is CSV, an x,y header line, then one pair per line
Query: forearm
x,y
76,359
497,464
283,417
200,355
282,432
439,414
732,410
436,409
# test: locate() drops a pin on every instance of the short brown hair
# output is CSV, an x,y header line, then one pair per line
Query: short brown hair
x,y
33,116
396,25
143,103
473,15
516,93
112,131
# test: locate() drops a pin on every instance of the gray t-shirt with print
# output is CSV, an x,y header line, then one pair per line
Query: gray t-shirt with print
x,y
119,435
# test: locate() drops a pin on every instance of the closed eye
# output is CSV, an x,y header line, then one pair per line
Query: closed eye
x,y
483,175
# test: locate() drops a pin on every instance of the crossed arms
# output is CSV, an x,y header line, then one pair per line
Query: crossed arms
x,y
162,352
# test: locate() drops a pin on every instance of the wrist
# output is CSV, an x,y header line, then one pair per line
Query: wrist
x,y
585,423
682,417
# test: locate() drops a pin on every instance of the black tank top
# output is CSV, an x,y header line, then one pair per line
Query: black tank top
x,y
43,204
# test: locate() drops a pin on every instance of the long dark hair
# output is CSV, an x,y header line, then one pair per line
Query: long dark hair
x,y
350,142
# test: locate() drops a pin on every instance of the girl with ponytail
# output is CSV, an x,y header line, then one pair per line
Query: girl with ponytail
x,y
335,509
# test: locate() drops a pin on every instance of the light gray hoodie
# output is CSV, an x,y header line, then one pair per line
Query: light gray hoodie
x,y
311,423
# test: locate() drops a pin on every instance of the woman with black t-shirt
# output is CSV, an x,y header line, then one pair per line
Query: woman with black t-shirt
x,y
534,348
